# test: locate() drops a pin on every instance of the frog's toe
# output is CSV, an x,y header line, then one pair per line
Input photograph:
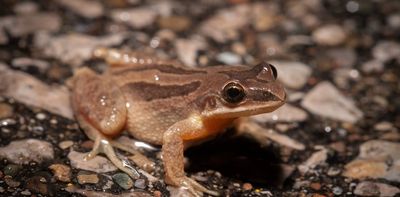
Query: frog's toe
x,y
196,188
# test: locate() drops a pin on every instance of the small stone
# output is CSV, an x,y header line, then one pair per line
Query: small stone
x,y
87,179
325,100
315,186
368,188
337,191
339,146
25,151
187,49
292,74
157,193
6,110
98,164
10,182
394,21
40,116
247,186
330,35
61,172
37,184
383,126
386,50
26,193
140,183
123,180
175,23
85,8
229,58
22,25
135,17
317,158
65,144
26,62
26,8
342,57
11,169
372,66
333,171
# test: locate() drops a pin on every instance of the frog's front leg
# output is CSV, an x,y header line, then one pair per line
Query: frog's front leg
x,y
172,155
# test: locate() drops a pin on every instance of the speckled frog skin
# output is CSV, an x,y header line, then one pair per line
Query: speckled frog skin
x,y
164,103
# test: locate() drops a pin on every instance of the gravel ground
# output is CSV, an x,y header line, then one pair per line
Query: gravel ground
x,y
338,135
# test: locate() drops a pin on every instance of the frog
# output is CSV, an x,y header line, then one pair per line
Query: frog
x,y
165,103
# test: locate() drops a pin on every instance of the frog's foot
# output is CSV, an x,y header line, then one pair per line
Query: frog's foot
x,y
104,145
194,188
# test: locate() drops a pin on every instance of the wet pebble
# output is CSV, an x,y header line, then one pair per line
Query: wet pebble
x,y
337,191
325,100
65,144
368,188
87,179
41,116
25,151
26,193
292,74
229,58
377,159
61,172
333,171
386,50
135,17
140,183
11,169
123,180
6,110
330,35
98,164
85,8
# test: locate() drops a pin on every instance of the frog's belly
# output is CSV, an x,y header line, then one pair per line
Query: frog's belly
x,y
148,123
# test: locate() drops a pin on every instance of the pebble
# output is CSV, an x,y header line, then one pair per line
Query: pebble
x,y
247,186
175,23
342,57
135,17
11,182
317,158
30,91
383,126
6,110
26,62
74,48
22,25
37,184
86,8
157,193
27,150
368,188
87,179
187,49
337,191
26,193
27,7
292,74
386,50
330,35
229,58
377,159
98,164
286,113
394,21
140,183
325,100
372,66
61,172
316,186
123,180
333,171
65,144
41,116
11,169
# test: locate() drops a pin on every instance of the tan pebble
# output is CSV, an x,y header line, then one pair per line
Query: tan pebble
x,y
87,144
65,144
360,169
315,186
247,186
6,110
61,172
157,193
88,178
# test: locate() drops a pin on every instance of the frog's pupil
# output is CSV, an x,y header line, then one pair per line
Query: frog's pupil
x,y
234,94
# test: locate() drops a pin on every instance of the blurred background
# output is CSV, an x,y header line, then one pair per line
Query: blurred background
x,y
338,134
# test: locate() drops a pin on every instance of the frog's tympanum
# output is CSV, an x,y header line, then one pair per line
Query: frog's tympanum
x,y
164,103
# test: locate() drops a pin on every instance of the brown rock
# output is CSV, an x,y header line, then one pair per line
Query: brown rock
x,y
175,23
88,179
6,110
247,186
61,172
315,186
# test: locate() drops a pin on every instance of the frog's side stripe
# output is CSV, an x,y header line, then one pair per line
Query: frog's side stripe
x,y
150,91
163,68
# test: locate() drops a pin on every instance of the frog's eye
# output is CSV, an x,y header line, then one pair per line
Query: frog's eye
x,y
233,93
274,71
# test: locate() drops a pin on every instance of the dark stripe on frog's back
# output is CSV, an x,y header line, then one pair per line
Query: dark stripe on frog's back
x,y
163,68
151,91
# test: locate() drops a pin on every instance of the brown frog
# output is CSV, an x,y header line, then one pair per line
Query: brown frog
x,y
164,103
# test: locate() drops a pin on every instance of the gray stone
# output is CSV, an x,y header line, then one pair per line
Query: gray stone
x,y
330,35
386,50
24,151
85,8
292,74
372,66
123,180
26,24
368,188
98,164
325,100
27,7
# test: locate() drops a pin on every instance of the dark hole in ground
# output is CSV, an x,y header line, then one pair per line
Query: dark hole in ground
x,y
238,158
